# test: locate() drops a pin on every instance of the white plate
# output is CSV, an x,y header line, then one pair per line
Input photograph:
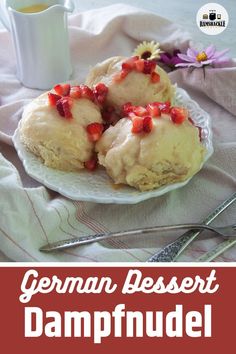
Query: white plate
x,y
97,186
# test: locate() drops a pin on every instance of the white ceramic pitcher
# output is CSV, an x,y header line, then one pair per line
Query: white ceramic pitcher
x,y
40,40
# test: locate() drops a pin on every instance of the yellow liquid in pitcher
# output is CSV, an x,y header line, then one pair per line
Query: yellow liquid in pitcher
x,y
33,8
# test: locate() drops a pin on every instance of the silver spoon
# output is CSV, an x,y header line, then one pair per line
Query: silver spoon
x,y
226,231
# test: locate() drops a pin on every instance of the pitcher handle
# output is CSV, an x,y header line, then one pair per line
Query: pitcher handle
x,y
69,5
4,17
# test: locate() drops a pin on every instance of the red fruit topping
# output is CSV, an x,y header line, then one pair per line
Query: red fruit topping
x,y
132,115
155,77
130,63
178,115
139,65
64,107
123,74
137,125
100,89
120,75
53,98
140,111
153,110
62,90
147,124
127,108
95,131
91,164
100,92
86,92
75,92
164,106
149,66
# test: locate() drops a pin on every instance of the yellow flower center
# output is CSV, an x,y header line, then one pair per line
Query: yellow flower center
x,y
201,56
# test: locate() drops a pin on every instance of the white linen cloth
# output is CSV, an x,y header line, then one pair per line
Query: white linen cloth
x,y
31,215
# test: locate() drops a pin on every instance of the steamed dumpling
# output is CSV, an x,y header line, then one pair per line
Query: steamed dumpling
x,y
136,87
169,153
61,143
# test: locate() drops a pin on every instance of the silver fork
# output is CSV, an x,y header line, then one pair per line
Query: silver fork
x,y
226,231
173,250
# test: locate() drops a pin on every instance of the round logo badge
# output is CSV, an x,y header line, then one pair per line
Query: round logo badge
x,y
212,19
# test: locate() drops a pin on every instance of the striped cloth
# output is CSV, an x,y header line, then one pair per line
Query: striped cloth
x,y
31,215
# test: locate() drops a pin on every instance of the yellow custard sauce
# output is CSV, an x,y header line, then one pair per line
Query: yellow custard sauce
x,y
34,8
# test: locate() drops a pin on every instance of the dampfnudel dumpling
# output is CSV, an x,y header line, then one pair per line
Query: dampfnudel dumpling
x,y
132,80
147,152
55,129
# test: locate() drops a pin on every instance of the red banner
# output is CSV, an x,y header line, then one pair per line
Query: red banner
x,y
117,309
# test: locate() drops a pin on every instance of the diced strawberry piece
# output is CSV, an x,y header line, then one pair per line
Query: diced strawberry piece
x,y
100,89
64,107
130,63
95,131
137,125
101,99
100,92
139,65
62,89
75,92
140,111
127,108
127,66
131,115
164,107
86,92
153,110
149,66
147,124
53,98
123,74
91,164
120,75
178,114
155,77
60,108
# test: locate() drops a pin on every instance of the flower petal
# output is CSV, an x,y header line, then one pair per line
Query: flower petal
x,y
217,55
182,65
186,58
165,58
221,63
207,62
192,53
196,65
210,51
175,60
